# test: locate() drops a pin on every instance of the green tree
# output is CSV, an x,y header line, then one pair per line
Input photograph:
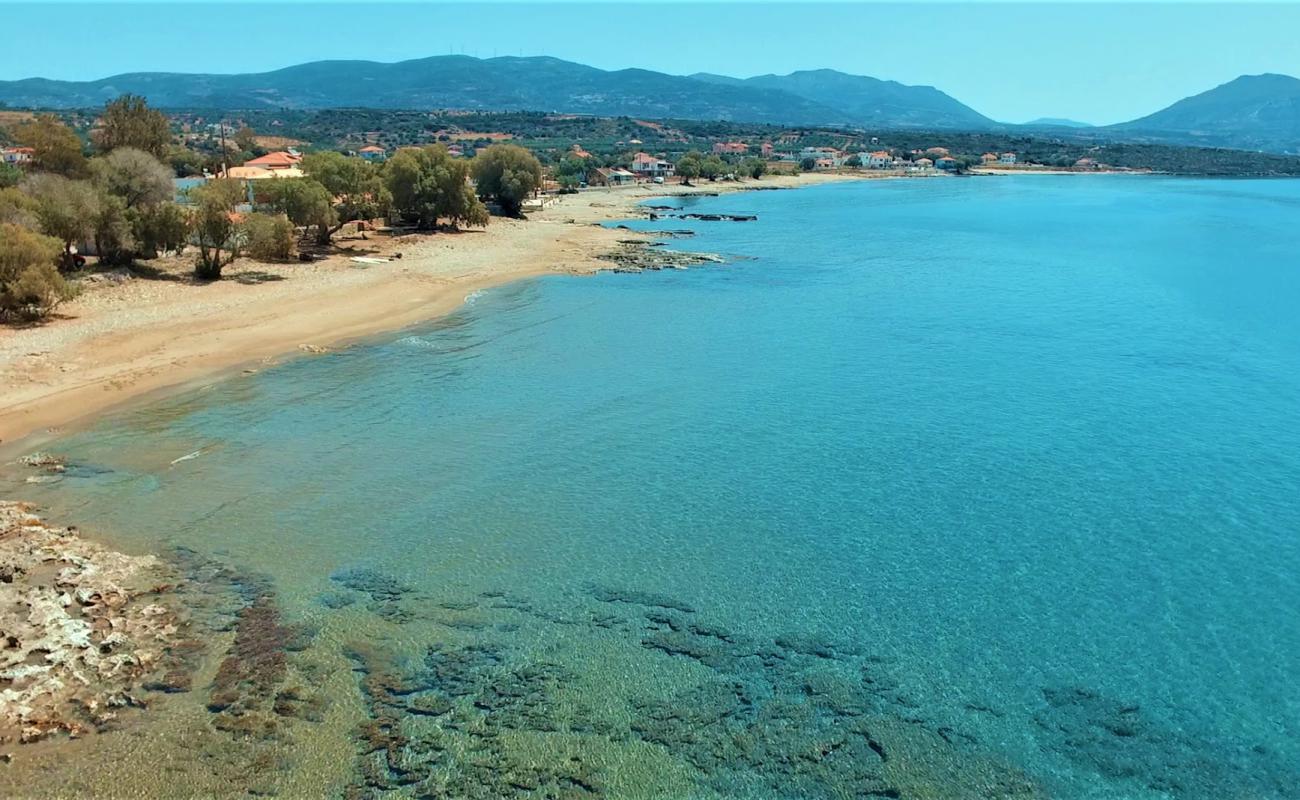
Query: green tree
x,y
808,164
246,139
754,167
17,207
65,209
354,185
111,230
9,175
214,226
853,161
133,175
30,285
426,184
161,228
508,174
129,122
688,167
713,167
269,237
304,201
57,147
184,161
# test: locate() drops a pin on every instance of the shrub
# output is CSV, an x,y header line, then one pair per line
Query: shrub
x,y
269,237
30,284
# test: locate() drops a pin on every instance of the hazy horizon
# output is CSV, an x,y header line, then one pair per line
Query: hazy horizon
x,y
1009,61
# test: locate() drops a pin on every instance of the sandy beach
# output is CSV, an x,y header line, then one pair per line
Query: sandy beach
x,y
121,341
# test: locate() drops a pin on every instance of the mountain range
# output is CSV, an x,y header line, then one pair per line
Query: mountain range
x,y
1260,112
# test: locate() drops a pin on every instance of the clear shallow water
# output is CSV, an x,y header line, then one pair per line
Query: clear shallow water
x,y
1010,464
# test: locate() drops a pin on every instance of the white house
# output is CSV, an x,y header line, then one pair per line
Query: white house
x,y
1007,158
880,159
648,166
17,155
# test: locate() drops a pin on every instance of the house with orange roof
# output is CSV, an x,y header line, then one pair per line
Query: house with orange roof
x,y
17,155
578,152
373,152
880,159
277,160
730,148
647,166
989,158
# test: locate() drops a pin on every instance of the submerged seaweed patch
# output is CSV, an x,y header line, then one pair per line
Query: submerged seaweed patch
x,y
1125,741
790,716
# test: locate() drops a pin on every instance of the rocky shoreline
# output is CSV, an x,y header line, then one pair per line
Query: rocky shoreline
x,y
82,629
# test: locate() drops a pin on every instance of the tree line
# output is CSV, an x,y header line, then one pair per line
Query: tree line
x,y
118,197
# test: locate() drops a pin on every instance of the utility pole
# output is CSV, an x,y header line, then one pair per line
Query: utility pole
x,y
225,170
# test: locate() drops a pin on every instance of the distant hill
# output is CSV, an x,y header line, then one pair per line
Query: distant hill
x,y
821,97
1056,122
1253,112
499,84
866,101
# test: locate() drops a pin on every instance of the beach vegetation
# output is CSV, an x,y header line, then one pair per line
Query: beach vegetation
x,y
853,161
214,226
753,167
65,209
302,201
507,174
426,184
268,237
17,207
808,164
713,167
56,147
354,185
30,284
160,228
133,175
688,167
111,230
129,122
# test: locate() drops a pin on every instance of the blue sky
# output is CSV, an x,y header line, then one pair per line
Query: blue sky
x,y
1099,62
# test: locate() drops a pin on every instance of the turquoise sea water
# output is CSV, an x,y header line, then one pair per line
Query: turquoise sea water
x,y
945,488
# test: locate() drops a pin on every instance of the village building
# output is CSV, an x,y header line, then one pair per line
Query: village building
x,y
946,163
827,154
879,159
766,149
648,166
1007,158
278,160
610,176
989,158
373,152
936,151
17,155
923,163
730,148
578,152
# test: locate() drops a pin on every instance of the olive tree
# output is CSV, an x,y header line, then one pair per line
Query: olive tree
x,y
508,174
214,226
354,185
129,122
426,184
